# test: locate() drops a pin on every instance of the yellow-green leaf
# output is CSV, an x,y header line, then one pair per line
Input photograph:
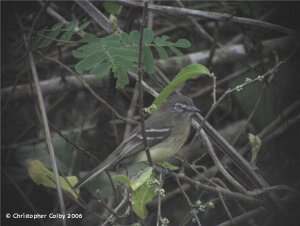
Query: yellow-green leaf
x,y
43,176
111,7
122,179
168,165
255,143
189,72
141,197
141,178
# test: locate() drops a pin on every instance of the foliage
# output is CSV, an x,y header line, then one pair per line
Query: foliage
x,y
111,7
142,192
42,176
60,32
189,72
63,150
255,143
119,52
116,52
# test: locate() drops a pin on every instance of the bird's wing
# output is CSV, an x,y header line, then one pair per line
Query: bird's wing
x,y
135,143
129,147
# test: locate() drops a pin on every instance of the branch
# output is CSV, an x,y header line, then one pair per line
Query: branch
x,y
217,189
220,167
50,86
212,15
140,79
244,217
46,128
93,12
227,54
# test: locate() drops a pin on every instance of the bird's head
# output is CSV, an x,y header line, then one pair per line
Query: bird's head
x,y
179,105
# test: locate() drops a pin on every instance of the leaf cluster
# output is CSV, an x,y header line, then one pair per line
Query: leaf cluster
x,y
119,53
59,32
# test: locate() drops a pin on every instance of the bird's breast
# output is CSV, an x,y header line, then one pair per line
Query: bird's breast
x,y
167,148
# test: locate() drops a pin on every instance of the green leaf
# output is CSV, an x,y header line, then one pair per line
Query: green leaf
x,y
161,41
72,25
148,60
141,197
142,178
176,51
122,179
134,37
190,71
43,176
168,165
148,36
112,41
161,52
121,75
90,62
52,34
129,53
182,43
87,50
255,143
124,38
111,8
101,70
66,36
88,37
84,25
125,63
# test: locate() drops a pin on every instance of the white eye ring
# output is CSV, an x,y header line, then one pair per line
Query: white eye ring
x,y
178,107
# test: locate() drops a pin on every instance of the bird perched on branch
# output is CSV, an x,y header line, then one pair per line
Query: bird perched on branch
x,y
166,131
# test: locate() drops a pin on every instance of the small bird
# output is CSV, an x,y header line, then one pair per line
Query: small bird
x,y
166,131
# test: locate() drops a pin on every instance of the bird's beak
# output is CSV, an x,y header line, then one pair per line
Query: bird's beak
x,y
193,109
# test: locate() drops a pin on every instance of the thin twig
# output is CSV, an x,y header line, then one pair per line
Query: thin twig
x,y
42,111
222,81
199,28
226,207
89,88
244,217
131,110
219,165
53,13
118,208
214,92
276,123
158,218
217,189
240,87
23,195
140,79
193,210
281,129
102,202
98,16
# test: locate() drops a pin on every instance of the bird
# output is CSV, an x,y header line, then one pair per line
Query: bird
x,y
166,131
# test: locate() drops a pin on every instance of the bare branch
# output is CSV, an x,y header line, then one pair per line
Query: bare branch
x,y
213,16
93,12
140,79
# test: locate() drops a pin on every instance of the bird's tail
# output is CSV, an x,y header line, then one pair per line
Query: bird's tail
x,y
97,170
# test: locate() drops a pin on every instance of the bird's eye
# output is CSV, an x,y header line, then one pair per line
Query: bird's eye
x,y
178,107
